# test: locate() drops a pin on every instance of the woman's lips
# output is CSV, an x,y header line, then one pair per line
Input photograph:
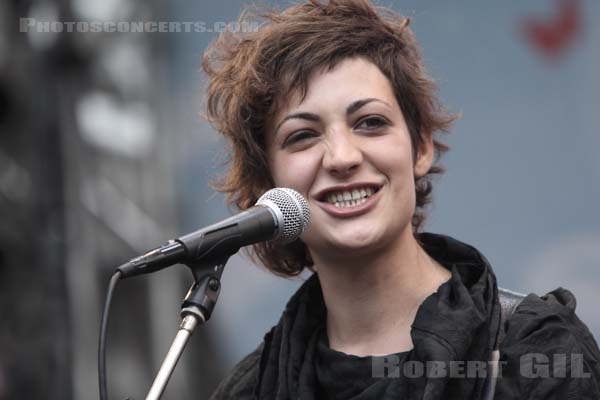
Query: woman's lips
x,y
351,211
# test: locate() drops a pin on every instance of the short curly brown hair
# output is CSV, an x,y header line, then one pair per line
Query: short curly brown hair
x,y
251,74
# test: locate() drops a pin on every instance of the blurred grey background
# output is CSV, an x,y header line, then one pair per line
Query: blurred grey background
x,y
104,154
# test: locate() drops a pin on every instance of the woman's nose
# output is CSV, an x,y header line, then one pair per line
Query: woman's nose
x,y
343,154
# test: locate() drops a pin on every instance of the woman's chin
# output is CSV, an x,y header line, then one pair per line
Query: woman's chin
x,y
350,244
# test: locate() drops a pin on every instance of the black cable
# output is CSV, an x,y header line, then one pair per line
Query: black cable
x,y
102,340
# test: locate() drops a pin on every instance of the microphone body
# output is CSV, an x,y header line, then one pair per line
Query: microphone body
x,y
280,214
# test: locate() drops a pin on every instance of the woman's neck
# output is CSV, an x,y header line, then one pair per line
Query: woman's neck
x,y
372,300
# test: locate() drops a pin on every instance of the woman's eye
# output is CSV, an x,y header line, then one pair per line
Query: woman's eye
x,y
372,123
297,137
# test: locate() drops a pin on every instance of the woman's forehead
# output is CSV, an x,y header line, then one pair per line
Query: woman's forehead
x,y
349,80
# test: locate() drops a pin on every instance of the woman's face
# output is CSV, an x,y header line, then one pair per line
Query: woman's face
x,y
346,148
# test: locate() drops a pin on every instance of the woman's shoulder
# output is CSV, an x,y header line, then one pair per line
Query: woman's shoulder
x,y
547,351
548,319
241,380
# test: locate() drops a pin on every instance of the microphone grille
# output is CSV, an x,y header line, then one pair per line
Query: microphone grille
x,y
292,212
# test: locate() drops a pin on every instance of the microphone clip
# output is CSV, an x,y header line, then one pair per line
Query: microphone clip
x,y
202,296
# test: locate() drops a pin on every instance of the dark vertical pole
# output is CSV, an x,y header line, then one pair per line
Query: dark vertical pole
x,y
34,327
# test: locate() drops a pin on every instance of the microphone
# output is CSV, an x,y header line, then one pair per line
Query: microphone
x,y
280,215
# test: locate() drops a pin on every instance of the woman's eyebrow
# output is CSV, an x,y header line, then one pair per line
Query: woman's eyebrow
x,y
358,104
351,109
299,115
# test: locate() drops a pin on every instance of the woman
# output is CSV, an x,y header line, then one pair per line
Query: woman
x,y
332,100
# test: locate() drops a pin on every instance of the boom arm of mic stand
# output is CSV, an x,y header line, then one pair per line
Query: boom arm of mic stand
x,y
196,309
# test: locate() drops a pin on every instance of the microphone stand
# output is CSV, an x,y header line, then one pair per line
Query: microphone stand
x,y
196,309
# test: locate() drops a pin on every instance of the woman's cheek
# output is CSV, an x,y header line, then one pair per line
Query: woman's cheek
x,y
295,170
302,171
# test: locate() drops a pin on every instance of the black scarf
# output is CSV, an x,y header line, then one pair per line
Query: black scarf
x,y
459,322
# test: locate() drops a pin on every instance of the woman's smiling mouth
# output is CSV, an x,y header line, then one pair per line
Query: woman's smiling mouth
x,y
350,198
349,201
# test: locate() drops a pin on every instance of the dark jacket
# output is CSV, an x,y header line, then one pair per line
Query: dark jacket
x,y
547,352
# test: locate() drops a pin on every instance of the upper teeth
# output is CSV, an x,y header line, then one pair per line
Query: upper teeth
x,y
349,198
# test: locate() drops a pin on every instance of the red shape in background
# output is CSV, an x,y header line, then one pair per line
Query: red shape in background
x,y
554,36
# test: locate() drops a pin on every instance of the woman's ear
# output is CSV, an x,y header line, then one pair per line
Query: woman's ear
x,y
425,154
